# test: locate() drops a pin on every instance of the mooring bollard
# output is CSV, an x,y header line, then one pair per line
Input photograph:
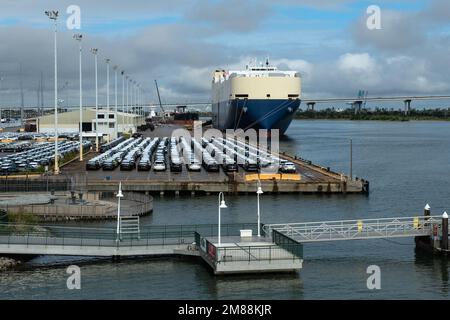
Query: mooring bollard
x,y
444,239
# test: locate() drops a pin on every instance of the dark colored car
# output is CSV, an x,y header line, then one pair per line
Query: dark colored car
x,y
144,165
109,164
90,165
127,164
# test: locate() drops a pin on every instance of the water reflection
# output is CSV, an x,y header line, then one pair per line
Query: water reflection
x,y
432,269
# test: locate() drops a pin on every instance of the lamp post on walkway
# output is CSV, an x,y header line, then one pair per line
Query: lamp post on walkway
x,y
258,192
119,196
222,205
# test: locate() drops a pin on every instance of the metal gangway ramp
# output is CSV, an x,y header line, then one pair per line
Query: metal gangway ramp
x,y
357,229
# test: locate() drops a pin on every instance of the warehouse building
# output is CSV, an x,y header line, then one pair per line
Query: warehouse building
x,y
70,122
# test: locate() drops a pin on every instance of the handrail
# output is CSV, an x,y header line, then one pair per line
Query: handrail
x,y
354,221
356,229
248,251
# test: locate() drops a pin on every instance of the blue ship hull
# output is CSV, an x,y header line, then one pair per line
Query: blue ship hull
x,y
255,113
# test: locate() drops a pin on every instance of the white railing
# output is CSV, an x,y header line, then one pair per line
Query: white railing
x,y
356,229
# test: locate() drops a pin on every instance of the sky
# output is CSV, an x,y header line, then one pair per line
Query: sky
x,y
181,42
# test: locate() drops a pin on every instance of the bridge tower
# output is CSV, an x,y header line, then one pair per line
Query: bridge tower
x,y
310,106
356,105
407,103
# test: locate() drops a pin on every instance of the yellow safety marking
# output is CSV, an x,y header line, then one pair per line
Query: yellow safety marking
x,y
21,176
269,176
251,177
360,226
290,176
416,222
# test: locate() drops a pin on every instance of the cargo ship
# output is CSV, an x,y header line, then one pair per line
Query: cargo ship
x,y
259,97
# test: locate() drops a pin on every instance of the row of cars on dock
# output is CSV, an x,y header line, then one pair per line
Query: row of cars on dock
x,y
161,154
40,155
12,137
232,153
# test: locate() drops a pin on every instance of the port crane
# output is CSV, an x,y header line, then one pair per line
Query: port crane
x,y
159,98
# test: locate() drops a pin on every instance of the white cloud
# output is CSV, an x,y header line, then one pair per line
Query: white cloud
x,y
357,63
406,56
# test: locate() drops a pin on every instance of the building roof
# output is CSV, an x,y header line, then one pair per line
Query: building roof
x,y
71,117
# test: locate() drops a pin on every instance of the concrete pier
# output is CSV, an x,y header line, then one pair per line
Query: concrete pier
x,y
310,178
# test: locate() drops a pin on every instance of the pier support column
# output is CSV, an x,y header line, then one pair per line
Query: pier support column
x,y
444,239
177,193
407,106
310,106
192,193
357,106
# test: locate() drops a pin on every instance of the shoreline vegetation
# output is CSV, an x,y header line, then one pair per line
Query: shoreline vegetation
x,y
378,114
375,115
8,263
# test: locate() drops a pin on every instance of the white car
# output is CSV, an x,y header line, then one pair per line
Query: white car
x,y
194,166
159,166
288,167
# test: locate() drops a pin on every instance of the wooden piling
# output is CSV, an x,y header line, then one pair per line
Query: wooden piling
x,y
444,238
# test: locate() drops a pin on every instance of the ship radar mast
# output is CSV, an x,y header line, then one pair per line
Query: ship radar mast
x,y
254,65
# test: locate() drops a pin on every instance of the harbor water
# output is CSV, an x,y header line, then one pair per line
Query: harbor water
x,y
407,164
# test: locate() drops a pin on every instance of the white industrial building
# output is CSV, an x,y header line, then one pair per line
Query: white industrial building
x,y
69,122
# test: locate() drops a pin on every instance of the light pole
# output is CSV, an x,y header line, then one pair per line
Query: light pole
x,y
115,97
107,94
131,104
53,15
351,159
94,52
128,106
258,192
78,37
1,81
222,205
123,99
136,101
132,96
135,104
119,196
139,99
136,88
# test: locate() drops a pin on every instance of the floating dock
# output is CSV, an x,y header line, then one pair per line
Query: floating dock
x,y
236,250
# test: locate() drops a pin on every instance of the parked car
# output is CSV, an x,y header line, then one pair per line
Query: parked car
x,y
288,167
159,165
